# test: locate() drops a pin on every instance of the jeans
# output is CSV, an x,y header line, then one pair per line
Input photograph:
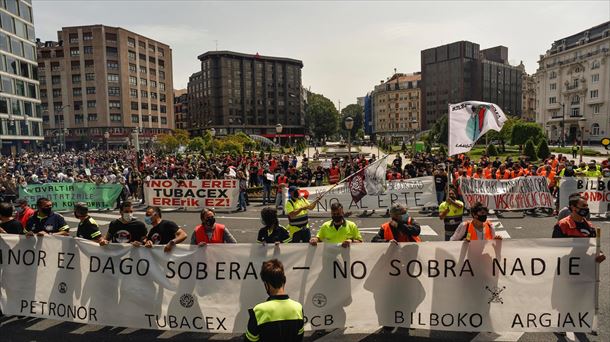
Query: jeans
x,y
279,200
440,196
242,200
266,193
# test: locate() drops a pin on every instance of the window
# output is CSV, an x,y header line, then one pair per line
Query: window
x,y
142,69
162,75
88,50
552,100
73,37
144,94
114,104
89,63
131,42
91,104
595,129
553,86
575,99
153,84
154,118
43,94
56,92
134,106
161,86
74,65
77,105
163,120
151,60
153,95
132,68
153,107
91,117
162,97
112,64
575,112
19,88
553,75
113,78
25,70
90,77
161,52
13,65
145,118
7,22
131,55
596,109
11,6
75,92
133,81
111,50
87,36
143,82
163,109
25,12
594,78
595,65
16,106
111,38
142,44
135,118
17,47
114,91
78,118
115,117
75,78
90,90
594,94
142,57
144,105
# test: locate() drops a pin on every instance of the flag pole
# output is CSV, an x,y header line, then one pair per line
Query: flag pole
x,y
595,324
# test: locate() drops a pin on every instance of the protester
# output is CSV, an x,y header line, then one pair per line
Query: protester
x,y
576,224
163,232
451,212
87,227
126,229
338,229
279,318
24,212
402,227
272,231
46,222
476,229
8,225
298,218
209,231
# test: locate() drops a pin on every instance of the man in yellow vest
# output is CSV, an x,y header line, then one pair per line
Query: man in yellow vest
x,y
476,229
451,212
298,220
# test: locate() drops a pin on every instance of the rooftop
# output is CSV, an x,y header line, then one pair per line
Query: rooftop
x,y
244,55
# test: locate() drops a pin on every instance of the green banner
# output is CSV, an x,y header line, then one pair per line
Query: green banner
x,y
65,195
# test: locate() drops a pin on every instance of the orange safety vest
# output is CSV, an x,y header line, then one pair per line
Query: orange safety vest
x,y
472,235
568,227
334,175
282,180
217,235
500,176
388,235
487,172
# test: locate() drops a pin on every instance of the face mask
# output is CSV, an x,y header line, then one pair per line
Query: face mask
x,y
127,216
148,220
482,218
404,218
210,221
583,212
47,211
452,196
337,219
263,223
19,210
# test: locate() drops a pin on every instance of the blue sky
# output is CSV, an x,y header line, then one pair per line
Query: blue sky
x,y
346,46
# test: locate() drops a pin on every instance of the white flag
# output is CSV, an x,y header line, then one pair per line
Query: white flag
x,y
469,120
375,177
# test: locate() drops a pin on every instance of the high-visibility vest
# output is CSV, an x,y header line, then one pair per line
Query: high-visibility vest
x,y
217,234
568,227
388,235
499,174
472,235
334,175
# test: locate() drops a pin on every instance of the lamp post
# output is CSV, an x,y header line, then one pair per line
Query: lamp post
x,y
307,137
581,125
349,124
563,124
213,134
107,137
278,131
62,133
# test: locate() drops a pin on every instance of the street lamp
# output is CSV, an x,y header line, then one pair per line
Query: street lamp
x,y
563,124
107,137
307,137
62,136
213,134
349,124
581,125
278,131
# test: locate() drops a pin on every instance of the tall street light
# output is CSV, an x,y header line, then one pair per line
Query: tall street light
x,y
62,133
278,131
563,124
581,125
307,137
349,124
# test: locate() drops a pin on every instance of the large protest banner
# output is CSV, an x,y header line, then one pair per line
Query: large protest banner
x,y
510,285
220,194
595,190
65,195
510,194
414,193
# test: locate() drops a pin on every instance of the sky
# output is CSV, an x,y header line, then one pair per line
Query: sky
x,y
347,47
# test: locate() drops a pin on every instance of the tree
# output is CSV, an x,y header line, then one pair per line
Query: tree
x,y
530,150
321,116
505,134
440,131
356,112
168,142
543,149
182,136
492,150
197,144
524,131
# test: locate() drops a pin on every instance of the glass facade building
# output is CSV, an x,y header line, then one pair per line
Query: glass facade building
x,y
20,111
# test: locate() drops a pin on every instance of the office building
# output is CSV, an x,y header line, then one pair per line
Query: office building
x,y
573,87
181,108
20,111
105,84
250,93
528,92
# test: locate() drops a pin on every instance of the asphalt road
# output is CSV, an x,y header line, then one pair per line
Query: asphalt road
x,y
244,226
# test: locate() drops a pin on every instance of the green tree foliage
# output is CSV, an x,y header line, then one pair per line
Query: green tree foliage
x,y
321,116
524,131
439,132
182,136
492,150
168,142
357,113
197,144
543,149
530,150
505,134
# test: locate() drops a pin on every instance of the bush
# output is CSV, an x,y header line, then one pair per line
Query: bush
x,y
530,150
543,150
492,151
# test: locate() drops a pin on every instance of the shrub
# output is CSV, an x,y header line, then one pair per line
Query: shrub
x,y
492,150
543,150
530,150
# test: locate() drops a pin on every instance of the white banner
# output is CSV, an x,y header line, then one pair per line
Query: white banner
x,y
595,190
469,120
511,285
414,193
220,194
510,194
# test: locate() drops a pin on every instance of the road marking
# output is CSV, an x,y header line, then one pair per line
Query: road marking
x,y
169,334
503,233
43,325
519,227
87,328
497,336
127,331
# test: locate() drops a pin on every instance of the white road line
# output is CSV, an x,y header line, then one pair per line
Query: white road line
x,y
44,325
87,328
497,336
503,233
169,334
127,331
